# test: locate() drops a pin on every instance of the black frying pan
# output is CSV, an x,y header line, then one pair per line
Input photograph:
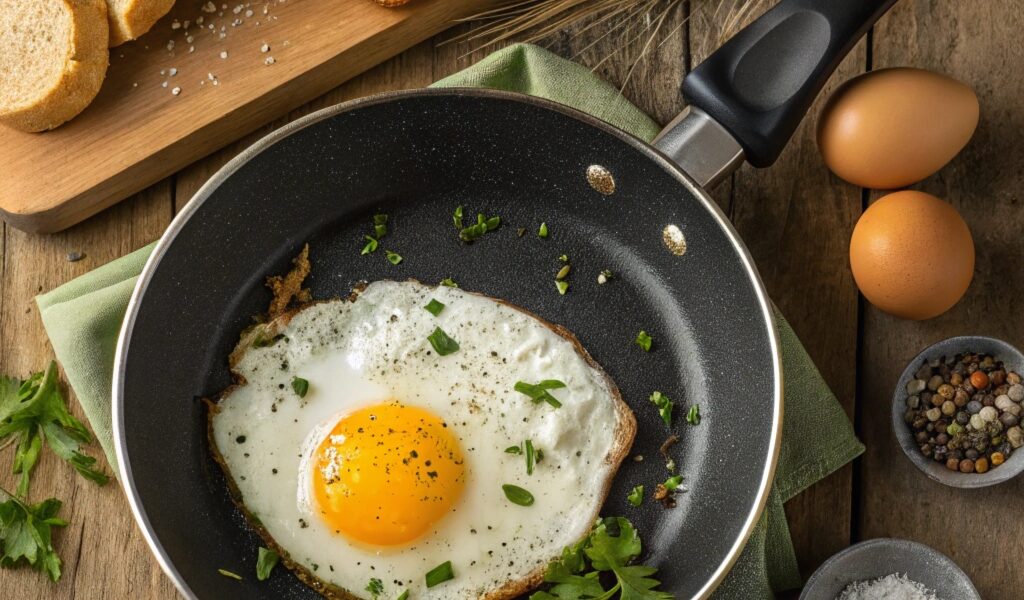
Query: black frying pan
x,y
415,156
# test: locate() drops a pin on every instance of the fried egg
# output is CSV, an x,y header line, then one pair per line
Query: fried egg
x,y
363,453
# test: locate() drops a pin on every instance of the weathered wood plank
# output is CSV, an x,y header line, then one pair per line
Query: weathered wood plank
x,y
977,43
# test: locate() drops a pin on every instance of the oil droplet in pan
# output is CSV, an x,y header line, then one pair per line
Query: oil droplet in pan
x,y
601,180
674,240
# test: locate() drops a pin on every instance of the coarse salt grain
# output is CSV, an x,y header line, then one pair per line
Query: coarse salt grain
x,y
173,71
270,60
176,24
176,91
265,48
890,587
209,8
224,54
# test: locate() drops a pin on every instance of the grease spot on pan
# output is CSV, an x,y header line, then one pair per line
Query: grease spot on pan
x,y
601,180
674,240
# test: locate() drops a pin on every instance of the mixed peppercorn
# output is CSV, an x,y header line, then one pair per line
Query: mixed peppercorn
x,y
965,413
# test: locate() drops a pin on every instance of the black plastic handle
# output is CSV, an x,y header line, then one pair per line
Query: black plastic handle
x,y
761,82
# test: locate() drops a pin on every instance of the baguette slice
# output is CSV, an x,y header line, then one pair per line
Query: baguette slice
x,y
53,57
129,19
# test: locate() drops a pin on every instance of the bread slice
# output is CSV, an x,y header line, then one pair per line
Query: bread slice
x,y
131,18
53,57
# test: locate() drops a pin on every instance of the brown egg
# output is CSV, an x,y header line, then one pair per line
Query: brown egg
x,y
890,128
912,255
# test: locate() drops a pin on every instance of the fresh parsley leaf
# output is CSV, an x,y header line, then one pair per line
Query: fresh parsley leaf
x,y
569,585
517,495
393,257
664,407
478,229
539,392
300,385
375,587
513,450
380,225
440,574
26,536
37,413
636,496
371,245
442,344
434,307
449,282
457,217
227,573
673,482
644,341
265,563
530,456
542,232
693,415
562,286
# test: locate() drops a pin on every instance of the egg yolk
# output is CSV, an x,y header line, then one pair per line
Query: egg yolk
x,y
386,474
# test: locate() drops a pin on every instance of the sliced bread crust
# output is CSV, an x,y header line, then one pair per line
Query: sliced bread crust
x,y
70,33
129,19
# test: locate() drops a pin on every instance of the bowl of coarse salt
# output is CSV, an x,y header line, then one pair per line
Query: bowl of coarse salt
x,y
887,568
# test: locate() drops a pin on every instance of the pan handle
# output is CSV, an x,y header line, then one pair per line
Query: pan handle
x,y
748,98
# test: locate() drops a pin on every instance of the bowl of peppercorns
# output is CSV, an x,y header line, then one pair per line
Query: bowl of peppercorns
x,y
958,411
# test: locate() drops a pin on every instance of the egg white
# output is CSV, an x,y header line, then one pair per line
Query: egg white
x,y
375,349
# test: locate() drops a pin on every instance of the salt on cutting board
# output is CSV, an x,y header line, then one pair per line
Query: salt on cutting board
x,y
890,587
205,75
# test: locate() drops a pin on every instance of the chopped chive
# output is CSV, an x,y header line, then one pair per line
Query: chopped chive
x,y
265,563
693,415
636,496
564,258
543,231
380,225
440,574
539,392
371,245
442,344
529,457
664,405
375,587
492,223
393,257
434,307
449,282
300,385
457,217
403,596
517,495
673,482
477,230
644,340
227,573
562,286
513,450
563,272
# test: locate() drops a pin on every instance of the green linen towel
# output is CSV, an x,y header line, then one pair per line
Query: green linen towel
x,y
83,317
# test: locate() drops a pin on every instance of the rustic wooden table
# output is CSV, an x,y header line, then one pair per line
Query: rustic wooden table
x,y
796,218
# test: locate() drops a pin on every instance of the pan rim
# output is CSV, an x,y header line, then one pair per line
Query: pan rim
x,y
166,240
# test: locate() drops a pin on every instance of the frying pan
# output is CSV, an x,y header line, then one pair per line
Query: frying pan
x,y
416,155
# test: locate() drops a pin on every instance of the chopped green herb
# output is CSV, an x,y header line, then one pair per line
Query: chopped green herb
x,y
543,231
262,341
227,573
611,547
477,230
440,574
636,497
693,415
564,258
371,245
513,450
517,495
393,257
380,225
434,307
563,272
449,282
604,276
265,563
644,340
375,587
563,286
25,531
540,455
457,217
529,457
300,385
539,392
442,344
404,596
34,411
521,231
664,407
673,482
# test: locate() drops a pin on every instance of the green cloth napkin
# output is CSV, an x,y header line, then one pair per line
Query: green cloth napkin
x,y
83,318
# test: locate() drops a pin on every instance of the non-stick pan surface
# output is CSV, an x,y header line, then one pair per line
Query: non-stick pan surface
x,y
416,156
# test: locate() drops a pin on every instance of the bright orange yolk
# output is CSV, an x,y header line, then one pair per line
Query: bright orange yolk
x,y
387,473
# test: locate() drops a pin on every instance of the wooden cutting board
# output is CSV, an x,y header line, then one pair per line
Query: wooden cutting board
x,y
179,93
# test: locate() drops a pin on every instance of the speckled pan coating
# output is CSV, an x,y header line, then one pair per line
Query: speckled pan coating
x,y
416,156
883,556
1000,350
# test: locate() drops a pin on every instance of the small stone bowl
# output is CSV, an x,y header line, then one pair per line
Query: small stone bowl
x,y
1012,360
883,556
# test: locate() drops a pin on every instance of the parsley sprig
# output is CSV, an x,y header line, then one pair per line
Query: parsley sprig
x,y
664,405
26,536
539,392
34,411
612,546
